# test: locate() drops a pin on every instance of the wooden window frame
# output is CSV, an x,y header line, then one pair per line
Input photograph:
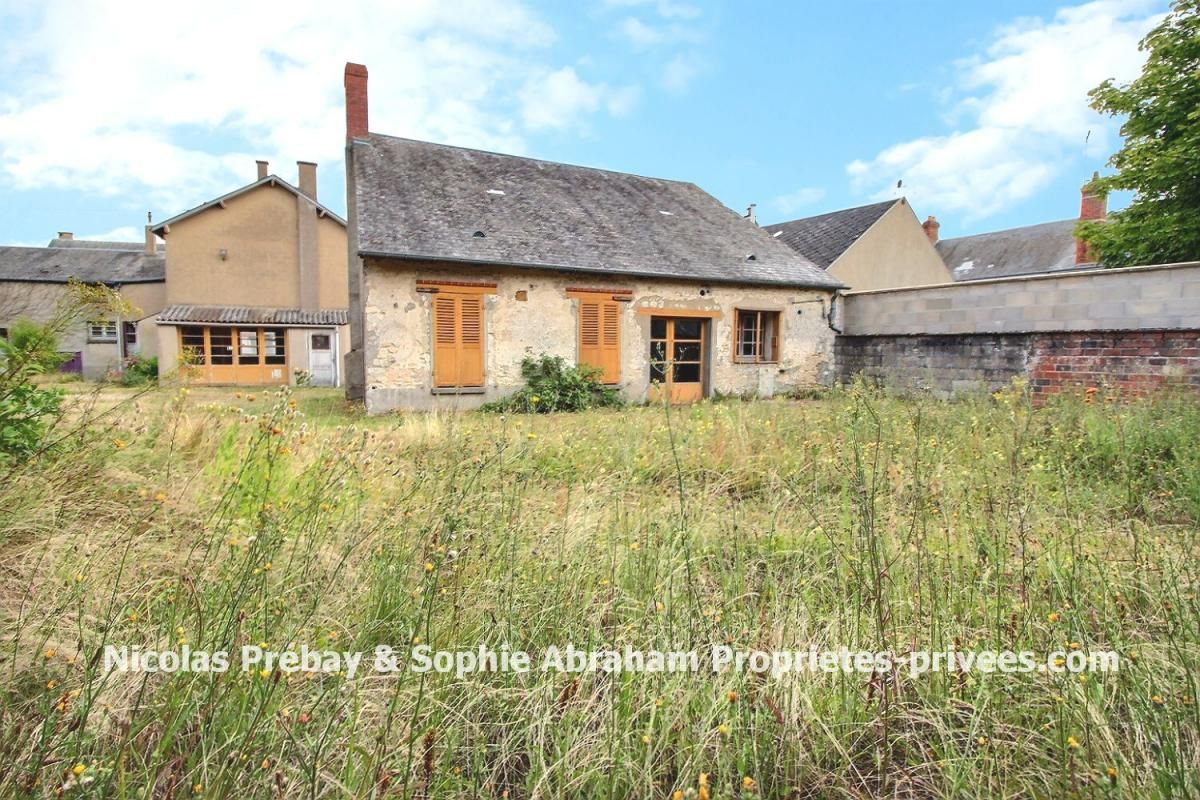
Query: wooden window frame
x,y
761,314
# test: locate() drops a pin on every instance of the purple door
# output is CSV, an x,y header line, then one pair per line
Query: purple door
x,y
73,365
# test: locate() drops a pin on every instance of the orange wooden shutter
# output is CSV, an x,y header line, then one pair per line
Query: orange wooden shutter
x,y
470,340
457,340
600,337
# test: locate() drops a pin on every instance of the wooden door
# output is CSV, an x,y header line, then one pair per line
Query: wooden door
x,y
677,358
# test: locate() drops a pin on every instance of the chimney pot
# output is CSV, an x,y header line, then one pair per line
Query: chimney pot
x,y
931,227
308,179
66,235
356,101
750,213
1093,206
263,169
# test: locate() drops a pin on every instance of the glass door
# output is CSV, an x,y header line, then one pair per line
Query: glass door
x,y
677,348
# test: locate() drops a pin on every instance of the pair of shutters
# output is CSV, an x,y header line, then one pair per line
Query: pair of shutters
x,y
600,336
457,340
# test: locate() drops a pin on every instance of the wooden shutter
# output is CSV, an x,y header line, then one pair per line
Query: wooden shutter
x,y
457,340
600,337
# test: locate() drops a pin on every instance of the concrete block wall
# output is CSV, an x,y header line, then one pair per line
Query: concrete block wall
x,y
1136,298
1129,330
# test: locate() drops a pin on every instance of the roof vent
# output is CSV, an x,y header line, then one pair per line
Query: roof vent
x,y
776,234
752,257
666,213
479,234
495,191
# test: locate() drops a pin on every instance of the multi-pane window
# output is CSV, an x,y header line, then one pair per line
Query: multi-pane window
x,y
102,331
129,333
757,337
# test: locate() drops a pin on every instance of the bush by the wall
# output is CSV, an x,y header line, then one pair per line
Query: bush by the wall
x,y
551,385
140,371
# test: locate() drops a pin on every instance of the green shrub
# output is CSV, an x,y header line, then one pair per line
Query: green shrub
x,y
552,385
33,344
140,371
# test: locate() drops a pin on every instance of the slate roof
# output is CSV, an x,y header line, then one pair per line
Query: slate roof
x,y
417,200
1029,250
90,265
271,180
245,315
823,238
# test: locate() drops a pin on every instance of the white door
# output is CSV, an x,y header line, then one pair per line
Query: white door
x,y
322,365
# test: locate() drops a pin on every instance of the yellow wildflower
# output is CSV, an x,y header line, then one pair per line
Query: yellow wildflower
x,y
78,769
1072,743
748,782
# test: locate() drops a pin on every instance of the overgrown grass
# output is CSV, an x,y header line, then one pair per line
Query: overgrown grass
x,y
858,520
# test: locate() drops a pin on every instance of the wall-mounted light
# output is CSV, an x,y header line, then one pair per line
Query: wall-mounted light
x,y
224,254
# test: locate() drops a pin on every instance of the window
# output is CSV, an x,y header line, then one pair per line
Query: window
x,y
102,331
600,336
273,352
129,333
757,337
457,340
321,341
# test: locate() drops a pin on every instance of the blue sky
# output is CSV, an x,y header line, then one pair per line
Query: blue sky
x,y
800,107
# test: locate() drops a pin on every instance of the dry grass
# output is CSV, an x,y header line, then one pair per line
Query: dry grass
x,y
216,519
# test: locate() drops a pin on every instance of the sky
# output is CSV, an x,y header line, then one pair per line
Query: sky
x,y
978,110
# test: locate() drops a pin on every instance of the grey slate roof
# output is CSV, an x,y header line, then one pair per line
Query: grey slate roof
x,y
271,180
90,265
418,200
823,238
1029,250
245,315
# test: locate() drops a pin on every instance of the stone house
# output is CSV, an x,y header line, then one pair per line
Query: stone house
x,y
465,262
877,246
33,286
256,286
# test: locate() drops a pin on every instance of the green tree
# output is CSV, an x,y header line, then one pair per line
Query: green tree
x,y
1160,159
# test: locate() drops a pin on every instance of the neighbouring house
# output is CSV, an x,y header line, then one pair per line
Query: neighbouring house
x,y
33,286
256,286
464,262
877,246
1028,250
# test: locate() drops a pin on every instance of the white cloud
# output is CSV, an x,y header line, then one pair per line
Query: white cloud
x,y
640,33
679,72
1020,110
125,233
560,98
793,202
664,8
170,104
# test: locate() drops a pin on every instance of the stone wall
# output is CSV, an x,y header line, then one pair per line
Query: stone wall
x,y
1129,330
530,313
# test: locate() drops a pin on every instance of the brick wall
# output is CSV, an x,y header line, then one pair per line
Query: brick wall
x,y
1128,362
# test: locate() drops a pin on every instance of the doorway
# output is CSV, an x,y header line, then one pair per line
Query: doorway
x,y
678,347
322,366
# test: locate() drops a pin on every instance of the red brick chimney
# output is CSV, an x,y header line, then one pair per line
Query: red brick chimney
x,y
931,226
356,101
1093,205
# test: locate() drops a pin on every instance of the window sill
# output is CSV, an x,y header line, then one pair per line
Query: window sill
x,y
756,363
101,341
458,390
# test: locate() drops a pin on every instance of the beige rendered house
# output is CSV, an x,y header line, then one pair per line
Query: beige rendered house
x,y
256,286
878,246
465,262
33,286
